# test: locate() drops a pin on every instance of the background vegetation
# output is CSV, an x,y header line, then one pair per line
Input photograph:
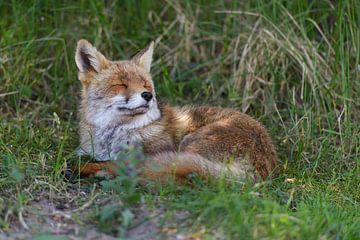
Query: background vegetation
x,y
294,65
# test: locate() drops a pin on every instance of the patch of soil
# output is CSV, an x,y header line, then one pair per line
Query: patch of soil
x,y
64,217
45,217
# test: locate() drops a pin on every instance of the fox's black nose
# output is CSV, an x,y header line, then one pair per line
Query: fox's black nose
x,y
147,96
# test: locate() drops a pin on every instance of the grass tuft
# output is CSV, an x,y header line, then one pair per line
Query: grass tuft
x,y
294,65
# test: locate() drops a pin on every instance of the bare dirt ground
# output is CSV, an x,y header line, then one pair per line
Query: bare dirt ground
x,y
59,217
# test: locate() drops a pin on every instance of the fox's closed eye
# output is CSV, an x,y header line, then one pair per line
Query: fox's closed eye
x,y
116,88
120,85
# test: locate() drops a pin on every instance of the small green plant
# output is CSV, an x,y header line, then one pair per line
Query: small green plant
x,y
125,190
294,65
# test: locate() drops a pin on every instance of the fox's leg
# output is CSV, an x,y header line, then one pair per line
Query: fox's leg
x,y
97,169
159,167
222,142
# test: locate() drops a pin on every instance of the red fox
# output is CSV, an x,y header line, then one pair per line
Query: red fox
x,y
119,109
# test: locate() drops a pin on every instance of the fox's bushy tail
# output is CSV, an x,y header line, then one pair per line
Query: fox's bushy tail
x,y
179,165
167,165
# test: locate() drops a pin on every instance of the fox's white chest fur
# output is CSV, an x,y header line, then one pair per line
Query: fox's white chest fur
x,y
111,141
108,141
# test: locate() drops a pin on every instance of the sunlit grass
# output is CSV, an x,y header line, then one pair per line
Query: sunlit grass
x,y
294,65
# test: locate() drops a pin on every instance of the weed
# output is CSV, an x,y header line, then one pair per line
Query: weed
x,y
294,65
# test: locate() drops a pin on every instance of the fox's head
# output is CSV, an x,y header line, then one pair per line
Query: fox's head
x,y
116,92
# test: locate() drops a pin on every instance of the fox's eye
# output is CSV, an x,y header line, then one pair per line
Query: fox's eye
x,y
116,88
120,86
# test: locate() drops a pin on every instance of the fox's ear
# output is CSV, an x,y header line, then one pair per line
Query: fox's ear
x,y
144,57
87,58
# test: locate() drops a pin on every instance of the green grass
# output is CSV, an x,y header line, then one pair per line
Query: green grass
x,y
294,65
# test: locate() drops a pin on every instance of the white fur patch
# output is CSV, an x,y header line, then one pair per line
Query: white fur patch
x,y
136,101
110,136
108,113
150,116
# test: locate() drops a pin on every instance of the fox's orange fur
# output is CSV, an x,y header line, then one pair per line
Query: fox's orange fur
x,y
119,108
